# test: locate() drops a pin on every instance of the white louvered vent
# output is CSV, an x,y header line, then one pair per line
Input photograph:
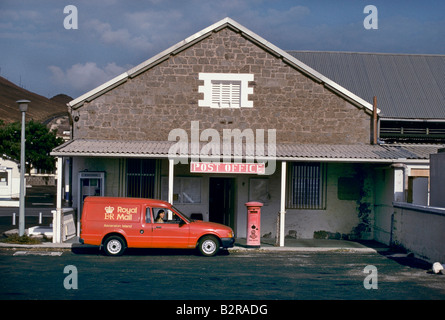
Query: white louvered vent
x,y
226,94
226,90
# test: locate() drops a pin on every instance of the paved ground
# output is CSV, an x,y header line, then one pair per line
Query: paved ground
x,y
259,275
302,269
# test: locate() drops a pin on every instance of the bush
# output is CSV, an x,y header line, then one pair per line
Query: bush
x,y
15,238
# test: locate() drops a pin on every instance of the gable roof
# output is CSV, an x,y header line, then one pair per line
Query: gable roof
x,y
227,22
407,86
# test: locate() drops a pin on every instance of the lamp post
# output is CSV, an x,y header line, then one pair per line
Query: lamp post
x,y
23,106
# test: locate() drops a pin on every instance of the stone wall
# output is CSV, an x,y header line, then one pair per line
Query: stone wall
x,y
150,105
41,180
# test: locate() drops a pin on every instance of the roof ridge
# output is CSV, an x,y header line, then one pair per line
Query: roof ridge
x,y
371,53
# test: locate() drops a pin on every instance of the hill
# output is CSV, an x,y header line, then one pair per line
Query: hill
x,y
39,109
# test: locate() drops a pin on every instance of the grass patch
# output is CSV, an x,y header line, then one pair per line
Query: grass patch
x,y
16,239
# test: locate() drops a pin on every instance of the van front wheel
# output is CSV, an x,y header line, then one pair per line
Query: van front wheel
x,y
208,246
114,246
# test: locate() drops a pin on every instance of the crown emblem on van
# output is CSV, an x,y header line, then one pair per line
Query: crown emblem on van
x,y
109,209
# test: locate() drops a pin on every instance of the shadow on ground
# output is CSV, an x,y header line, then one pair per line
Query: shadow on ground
x,y
95,250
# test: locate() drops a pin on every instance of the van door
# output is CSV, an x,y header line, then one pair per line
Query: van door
x,y
169,230
143,232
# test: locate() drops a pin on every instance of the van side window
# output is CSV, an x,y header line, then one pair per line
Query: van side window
x,y
162,215
147,216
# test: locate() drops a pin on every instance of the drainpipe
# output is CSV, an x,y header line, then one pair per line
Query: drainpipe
x,y
374,122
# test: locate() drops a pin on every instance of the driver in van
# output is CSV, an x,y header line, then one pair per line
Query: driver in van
x,y
160,216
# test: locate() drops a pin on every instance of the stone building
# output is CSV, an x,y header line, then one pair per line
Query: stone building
x,y
224,117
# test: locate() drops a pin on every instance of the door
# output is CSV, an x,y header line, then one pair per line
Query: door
x,y
141,236
89,184
221,201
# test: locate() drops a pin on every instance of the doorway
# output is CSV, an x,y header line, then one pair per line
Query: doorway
x,y
222,201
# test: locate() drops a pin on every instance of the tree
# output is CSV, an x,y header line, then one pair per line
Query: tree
x,y
38,145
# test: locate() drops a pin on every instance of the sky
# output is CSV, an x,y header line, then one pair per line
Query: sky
x,y
48,51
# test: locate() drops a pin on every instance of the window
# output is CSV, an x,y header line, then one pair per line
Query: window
x,y
140,178
307,189
226,90
185,190
226,94
3,178
147,215
162,215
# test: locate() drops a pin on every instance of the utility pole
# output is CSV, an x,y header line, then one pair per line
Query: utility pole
x,y
23,106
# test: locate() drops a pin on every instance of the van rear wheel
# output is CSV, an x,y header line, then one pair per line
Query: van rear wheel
x,y
114,246
208,246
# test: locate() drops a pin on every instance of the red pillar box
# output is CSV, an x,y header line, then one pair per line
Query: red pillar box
x,y
253,224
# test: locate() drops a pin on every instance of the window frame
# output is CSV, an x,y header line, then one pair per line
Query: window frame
x,y
307,186
4,174
140,178
179,183
226,94
233,80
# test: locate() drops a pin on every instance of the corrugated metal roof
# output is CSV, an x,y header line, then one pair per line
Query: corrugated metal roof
x,y
160,149
406,86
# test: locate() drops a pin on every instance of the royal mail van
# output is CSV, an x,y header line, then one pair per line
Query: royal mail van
x,y
119,223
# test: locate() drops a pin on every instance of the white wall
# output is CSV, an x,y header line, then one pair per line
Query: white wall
x,y
420,229
10,189
437,179
339,217
417,228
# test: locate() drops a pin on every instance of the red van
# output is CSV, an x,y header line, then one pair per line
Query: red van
x,y
119,223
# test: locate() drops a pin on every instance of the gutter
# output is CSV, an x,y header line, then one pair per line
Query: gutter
x,y
238,158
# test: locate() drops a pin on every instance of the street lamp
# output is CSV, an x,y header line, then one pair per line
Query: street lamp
x,y
23,106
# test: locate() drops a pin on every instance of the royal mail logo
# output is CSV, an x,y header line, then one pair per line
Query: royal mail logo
x,y
127,210
109,209
123,213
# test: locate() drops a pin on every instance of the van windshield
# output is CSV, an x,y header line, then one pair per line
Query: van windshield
x,y
187,219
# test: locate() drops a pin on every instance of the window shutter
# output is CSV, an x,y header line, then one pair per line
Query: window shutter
x,y
226,94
